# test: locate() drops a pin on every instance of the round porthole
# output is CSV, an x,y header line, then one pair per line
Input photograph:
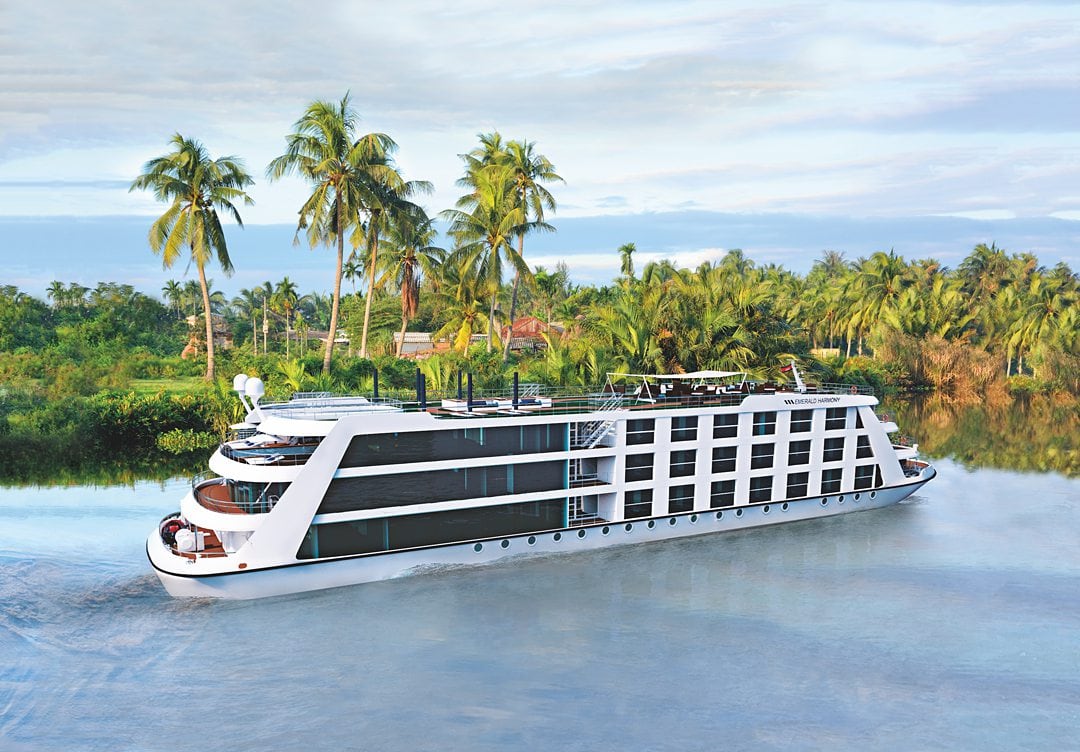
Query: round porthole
x,y
855,497
557,537
738,513
581,533
652,524
672,521
719,515
478,547
784,507
693,518
873,494
839,499
505,544
532,539
605,530
628,527
825,502
765,509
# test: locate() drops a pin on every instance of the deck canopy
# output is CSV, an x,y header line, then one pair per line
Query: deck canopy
x,y
692,376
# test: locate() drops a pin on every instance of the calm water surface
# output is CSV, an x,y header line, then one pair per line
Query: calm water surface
x,y
951,621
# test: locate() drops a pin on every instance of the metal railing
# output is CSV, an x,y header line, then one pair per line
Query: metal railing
x,y
278,456
203,482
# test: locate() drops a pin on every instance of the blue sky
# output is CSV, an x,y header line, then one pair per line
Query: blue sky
x,y
783,128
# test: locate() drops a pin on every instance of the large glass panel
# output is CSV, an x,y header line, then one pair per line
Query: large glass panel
x,y
680,499
799,453
764,423
863,448
682,463
864,476
638,503
368,450
723,494
639,467
835,418
830,480
401,489
797,484
723,459
834,450
801,420
725,426
684,428
761,488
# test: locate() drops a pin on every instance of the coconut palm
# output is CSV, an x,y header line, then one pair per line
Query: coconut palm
x,y
284,299
196,187
411,239
345,171
173,293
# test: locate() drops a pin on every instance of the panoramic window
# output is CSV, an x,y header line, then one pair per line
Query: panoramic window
x,y
684,428
639,467
723,459
682,463
834,450
801,420
725,426
640,431
680,499
864,476
761,488
835,418
799,453
830,480
761,456
723,494
863,448
638,503
764,423
797,485
368,450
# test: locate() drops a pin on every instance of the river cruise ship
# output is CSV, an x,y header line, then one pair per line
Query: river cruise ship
x,y
324,491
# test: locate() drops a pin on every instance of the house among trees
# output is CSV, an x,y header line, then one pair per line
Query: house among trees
x,y
527,334
223,338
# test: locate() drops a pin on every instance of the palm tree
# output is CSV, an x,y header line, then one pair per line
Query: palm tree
x,y
56,294
412,239
173,293
285,298
195,187
246,304
626,261
345,171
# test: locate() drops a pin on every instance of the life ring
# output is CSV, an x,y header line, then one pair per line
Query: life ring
x,y
854,390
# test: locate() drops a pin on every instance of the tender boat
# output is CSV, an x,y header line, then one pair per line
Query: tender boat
x,y
324,491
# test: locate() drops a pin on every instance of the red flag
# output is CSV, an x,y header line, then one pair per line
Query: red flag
x,y
785,369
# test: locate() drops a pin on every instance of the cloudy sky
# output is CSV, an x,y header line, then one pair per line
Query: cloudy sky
x,y
783,128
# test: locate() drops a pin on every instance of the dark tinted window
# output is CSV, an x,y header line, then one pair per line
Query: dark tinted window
x,y
723,494
801,420
725,426
799,453
761,488
639,467
761,456
680,499
723,459
682,463
368,450
684,428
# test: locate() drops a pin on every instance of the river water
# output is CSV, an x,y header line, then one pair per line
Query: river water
x,y
951,621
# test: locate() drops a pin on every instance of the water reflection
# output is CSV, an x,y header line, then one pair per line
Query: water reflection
x,y
1036,434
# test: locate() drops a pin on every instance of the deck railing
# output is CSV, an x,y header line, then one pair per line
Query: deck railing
x,y
275,456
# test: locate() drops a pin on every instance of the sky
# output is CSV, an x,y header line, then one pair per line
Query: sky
x,y
688,128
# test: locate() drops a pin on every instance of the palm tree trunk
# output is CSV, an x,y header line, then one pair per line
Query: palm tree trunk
x,y
337,290
209,323
401,338
374,242
287,334
491,321
513,302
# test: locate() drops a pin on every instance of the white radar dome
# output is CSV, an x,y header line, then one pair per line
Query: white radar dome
x,y
254,388
239,381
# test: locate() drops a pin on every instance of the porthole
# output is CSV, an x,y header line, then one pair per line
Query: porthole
x,y
855,497
873,494
557,537
652,524
738,513
532,540
581,533
784,507
478,547
719,515
839,499
693,518
628,527
825,502
605,530
765,509
672,521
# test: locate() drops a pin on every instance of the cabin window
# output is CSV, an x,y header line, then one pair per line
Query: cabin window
x,y
723,494
723,459
684,428
801,420
799,453
797,485
834,450
765,423
864,476
761,456
639,467
640,431
682,463
725,426
835,418
830,480
863,448
369,450
680,499
858,418
638,504
761,488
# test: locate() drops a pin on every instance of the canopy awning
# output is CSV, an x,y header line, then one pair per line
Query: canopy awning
x,y
692,376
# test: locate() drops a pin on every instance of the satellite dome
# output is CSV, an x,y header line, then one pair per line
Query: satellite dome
x,y
254,388
238,382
